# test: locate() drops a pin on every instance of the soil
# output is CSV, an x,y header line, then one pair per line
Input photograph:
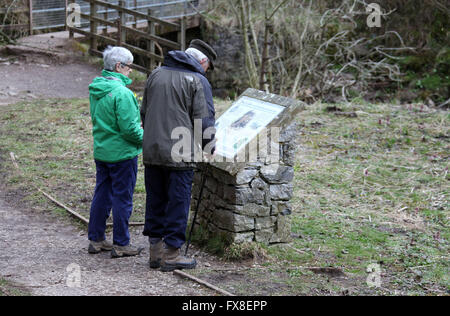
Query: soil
x,y
42,81
42,253
44,66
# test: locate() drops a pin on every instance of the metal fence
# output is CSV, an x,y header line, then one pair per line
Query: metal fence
x,y
52,13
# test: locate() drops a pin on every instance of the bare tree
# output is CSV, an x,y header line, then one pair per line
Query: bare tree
x,y
302,48
9,16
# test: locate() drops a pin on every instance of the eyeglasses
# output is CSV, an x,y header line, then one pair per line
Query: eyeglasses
x,y
125,65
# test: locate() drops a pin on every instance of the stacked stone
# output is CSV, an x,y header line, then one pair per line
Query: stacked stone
x,y
254,205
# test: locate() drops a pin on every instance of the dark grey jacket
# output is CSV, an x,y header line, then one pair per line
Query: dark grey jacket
x,y
176,95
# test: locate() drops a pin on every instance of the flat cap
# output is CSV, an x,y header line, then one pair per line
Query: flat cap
x,y
205,49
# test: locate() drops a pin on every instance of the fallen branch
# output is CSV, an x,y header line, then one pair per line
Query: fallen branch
x,y
402,209
77,215
445,104
346,114
80,217
13,158
334,272
72,212
213,287
297,250
7,38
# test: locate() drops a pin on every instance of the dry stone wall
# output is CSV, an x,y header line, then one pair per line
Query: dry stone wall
x,y
253,205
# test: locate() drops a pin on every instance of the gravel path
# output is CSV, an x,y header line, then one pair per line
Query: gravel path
x,y
44,66
49,257
42,80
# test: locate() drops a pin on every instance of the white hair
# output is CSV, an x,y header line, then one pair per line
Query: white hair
x,y
198,55
114,55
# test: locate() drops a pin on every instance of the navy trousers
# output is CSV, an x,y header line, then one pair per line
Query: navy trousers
x,y
114,190
168,204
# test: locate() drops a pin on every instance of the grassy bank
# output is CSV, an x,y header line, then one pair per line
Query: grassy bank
x,y
53,144
8,289
370,189
371,192
375,190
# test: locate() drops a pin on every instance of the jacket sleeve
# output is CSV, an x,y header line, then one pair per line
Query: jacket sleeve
x,y
144,106
128,118
143,110
204,110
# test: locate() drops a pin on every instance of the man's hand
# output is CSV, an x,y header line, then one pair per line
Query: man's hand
x,y
207,157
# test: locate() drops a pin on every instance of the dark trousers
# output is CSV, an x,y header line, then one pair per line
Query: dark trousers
x,y
168,204
114,190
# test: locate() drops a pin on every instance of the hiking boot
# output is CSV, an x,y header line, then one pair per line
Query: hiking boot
x,y
97,247
156,253
127,251
173,260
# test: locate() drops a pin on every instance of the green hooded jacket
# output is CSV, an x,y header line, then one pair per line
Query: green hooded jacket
x,y
116,118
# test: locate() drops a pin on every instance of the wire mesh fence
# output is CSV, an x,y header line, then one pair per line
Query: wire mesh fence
x,y
52,13
48,13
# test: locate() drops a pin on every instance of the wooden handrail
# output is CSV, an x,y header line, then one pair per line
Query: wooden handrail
x,y
114,41
122,29
160,40
14,26
14,11
143,52
96,19
135,13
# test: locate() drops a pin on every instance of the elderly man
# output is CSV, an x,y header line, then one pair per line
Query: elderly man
x,y
118,139
177,95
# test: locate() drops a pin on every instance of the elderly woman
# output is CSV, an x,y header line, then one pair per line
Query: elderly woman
x,y
118,138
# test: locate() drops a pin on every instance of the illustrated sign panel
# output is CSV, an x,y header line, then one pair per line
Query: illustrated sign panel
x,y
242,123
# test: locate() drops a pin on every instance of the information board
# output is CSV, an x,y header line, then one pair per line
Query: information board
x,y
246,118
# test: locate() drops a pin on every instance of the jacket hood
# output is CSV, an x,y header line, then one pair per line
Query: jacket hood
x,y
181,60
101,86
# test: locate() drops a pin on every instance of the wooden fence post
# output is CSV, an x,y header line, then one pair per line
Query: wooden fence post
x,y
105,16
152,47
119,31
30,7
71,34
135,17
182,33
93,13
123,22
66,4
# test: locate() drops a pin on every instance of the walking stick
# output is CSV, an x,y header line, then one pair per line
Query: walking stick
x,y
203,181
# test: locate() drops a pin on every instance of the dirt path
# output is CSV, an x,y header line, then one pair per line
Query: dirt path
x,y
49,257
42,80
44,66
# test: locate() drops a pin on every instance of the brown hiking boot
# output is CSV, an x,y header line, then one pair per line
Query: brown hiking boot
x,y
127,251
173,260
97,247
156,253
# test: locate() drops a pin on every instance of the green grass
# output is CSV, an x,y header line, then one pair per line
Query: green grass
x,y
375,189
8,289
53,144
372,189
